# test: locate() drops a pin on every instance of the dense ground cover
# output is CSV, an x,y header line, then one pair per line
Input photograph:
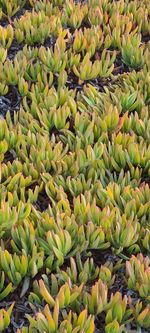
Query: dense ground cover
x,y
74,166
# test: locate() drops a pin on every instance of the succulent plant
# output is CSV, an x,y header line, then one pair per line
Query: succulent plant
x,y
6,36
58,244
11,71
4,291
74,165
13,266
137,271
141,315
96,300
48,322
11,7
117,310
132,52
23,237
74,14
32,27
54,60
82,272
87,70
5,317
88,40
3,89
8,217
120,236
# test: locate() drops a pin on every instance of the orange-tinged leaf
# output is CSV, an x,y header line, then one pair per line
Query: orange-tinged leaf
x,y
46,295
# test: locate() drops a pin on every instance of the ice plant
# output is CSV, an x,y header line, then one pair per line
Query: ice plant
x,y
132,52
138,275
5,317
6,36
11,7
49,322
74,166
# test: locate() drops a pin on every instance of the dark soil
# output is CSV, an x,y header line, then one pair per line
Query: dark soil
x,y
8,157
10,102
120,67
14,49
43,201
18,318
145,38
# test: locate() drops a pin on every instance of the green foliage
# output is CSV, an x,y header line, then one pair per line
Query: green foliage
x,y
5,317
48,322
132,52
74,166
11,7
137,271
